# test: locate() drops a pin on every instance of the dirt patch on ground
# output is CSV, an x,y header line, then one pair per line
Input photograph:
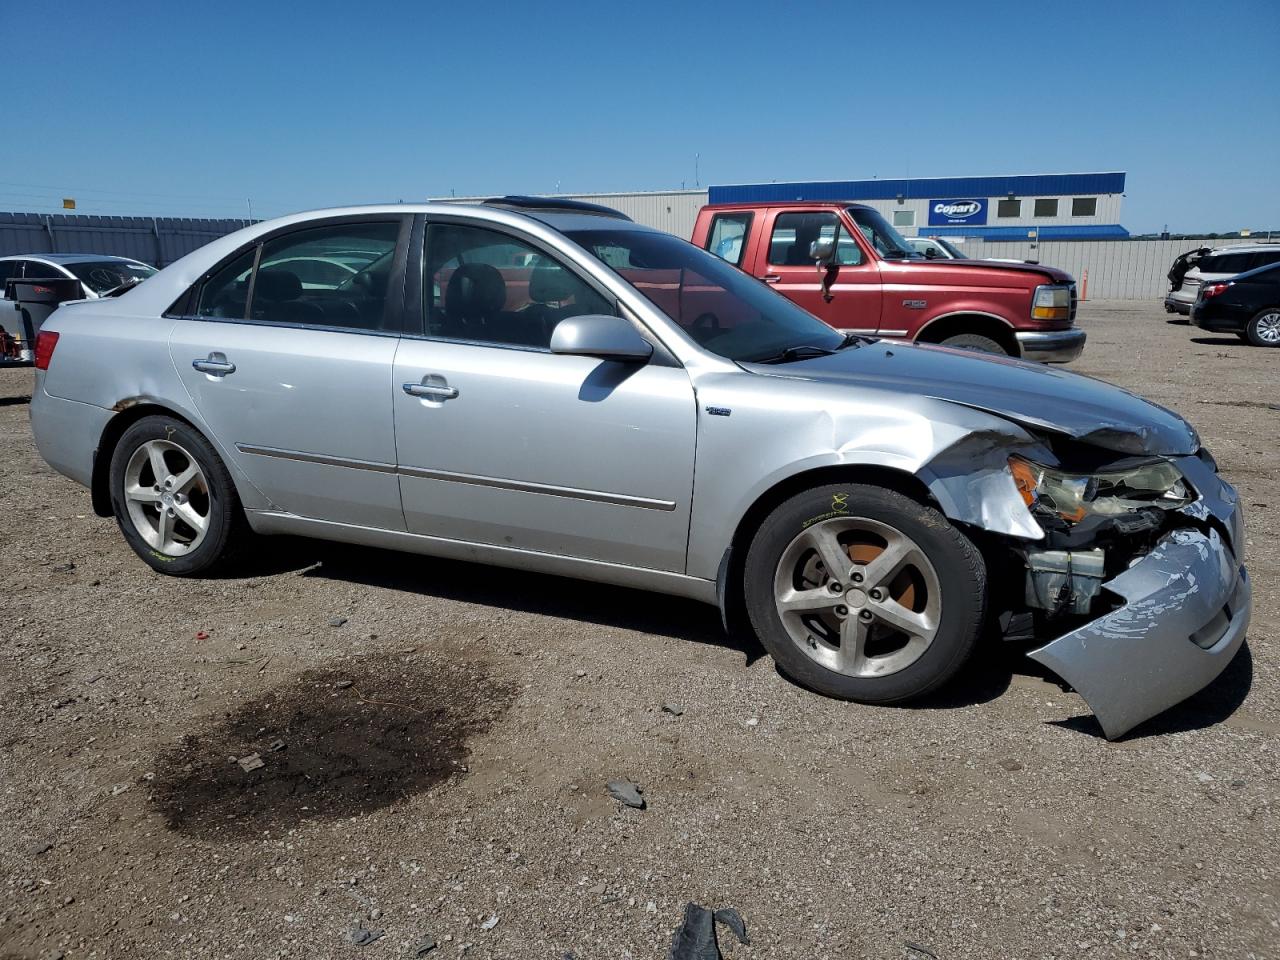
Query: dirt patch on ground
x,y
331,743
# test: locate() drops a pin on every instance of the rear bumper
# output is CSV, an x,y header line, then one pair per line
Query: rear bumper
x,y
66,432
1176,305
1216,320
1051,346
1186,610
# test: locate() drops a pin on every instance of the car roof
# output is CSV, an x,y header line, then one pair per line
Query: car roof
x,y
790,204
1244,248
69,257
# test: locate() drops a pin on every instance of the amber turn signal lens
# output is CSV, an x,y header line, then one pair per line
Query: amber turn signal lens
x,y
1024,478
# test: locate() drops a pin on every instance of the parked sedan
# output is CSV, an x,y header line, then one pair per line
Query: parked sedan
x,y
530,384
1247,305
97,273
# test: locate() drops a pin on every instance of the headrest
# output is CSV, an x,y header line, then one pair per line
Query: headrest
x,y
276,285
476,291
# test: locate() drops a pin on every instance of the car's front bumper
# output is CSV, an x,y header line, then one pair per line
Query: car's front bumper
x,y
1051,346
1185,612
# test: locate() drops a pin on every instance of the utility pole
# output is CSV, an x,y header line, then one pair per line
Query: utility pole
x,y
249,203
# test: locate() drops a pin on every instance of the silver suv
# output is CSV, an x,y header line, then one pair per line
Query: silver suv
x,y
1214,265
542,385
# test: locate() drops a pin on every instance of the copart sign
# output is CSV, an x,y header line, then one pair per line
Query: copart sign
x,y
942,212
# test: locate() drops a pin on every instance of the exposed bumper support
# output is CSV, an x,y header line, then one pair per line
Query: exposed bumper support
x,y
1051,346
1185,616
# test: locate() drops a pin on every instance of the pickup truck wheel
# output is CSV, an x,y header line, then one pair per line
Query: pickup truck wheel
x,y
1264,329
864,594
974,341
173,498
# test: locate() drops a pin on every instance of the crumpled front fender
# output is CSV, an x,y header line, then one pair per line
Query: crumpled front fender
x,y
1186,610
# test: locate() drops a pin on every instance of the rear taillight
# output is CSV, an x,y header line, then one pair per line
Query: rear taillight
x,y
1212,289
46,340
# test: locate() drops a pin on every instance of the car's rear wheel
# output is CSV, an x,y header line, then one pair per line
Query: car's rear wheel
x,y
1264,329
865,594
975,341
173,498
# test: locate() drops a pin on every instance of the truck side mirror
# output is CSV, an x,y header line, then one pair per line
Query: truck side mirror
x,y
931,253
823,250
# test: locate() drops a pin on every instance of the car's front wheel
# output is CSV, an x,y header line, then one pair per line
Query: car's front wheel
x,y
862,593
975,341
1264,329
173,498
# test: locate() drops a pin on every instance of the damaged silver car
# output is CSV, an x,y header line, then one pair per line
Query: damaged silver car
x,y
545,385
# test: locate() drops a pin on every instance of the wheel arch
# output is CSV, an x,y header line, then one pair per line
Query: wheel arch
x,y
971,321
128,413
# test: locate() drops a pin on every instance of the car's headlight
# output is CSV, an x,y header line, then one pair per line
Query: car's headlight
x,y
1051,303
1074,496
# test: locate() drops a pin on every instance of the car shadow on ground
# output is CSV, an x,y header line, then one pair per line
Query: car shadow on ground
x,y
14,401
1219,341
1211,706
528,592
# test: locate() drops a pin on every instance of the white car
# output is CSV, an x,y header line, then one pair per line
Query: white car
x,y
937,248
97,272
1218,264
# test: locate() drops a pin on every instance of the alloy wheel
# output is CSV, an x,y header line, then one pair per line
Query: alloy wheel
x,y
858,596
167,497
1267,327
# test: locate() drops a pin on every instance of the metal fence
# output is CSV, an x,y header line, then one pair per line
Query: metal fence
x,y
154,240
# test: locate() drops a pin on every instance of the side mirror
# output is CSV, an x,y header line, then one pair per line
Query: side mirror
x,y
598,335
823,250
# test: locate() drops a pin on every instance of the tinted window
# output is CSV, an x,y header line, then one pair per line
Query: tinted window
x,y
41,271
1224,263
793,233
1264,258
1046,207
347,269
491,287
1084,206
8,269
1009,208
887,241
718,305
226,293
728,236
103,275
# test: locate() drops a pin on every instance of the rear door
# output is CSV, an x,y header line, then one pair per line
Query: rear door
x,y
293,377
846,295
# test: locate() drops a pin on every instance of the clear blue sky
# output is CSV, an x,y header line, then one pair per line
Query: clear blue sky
x,y
189,108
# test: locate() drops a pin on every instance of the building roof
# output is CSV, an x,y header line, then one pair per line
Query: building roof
x,y
922,188
1094,231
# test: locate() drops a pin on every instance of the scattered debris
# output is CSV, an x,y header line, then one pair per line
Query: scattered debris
x,y
337,621
579,674
343,684
202,634
252,762
119,788
695,938
752,721
64,567
40,847
627,793
915,948
375,914
422,947
490,923
1010,764
277,746
673,708
732,919
361,936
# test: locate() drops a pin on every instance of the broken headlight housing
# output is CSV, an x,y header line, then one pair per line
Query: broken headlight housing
x,y
1109,492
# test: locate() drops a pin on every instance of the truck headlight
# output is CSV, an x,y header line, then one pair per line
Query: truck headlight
x,y
1074,496
1051,303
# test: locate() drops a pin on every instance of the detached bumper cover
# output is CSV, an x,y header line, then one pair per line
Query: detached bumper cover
x,y
1051,346
1187,606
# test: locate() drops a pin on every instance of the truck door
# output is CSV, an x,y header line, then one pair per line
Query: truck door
x,y
850,297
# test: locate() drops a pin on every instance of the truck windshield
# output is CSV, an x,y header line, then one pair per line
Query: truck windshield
x,y
889,243
718,306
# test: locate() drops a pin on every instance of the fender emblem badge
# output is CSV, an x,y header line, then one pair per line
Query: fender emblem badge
x,y
719,411
915,304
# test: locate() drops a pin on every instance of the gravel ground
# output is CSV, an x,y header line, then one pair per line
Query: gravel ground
x,y
437,760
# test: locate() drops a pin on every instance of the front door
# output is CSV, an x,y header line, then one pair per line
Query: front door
x,y
847,294
288,358
504,443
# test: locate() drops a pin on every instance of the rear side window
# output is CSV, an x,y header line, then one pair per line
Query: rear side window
x,y
728,236
1265,258
1224,263
793,233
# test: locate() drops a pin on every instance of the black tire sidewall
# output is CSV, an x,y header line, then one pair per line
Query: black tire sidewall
x,y
224,505
957,562
975,342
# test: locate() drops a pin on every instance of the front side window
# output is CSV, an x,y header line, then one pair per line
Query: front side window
x,y
1084,206
888,242
794,233
719,306
486,286
103,275
728,236
1046,207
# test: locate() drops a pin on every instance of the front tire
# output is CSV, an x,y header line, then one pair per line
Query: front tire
x,y
1264,329
899,616
173,498
975,341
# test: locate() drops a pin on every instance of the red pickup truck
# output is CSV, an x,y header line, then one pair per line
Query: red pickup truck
x,y
844,263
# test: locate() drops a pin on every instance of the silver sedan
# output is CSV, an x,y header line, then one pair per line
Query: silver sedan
x,y
548,386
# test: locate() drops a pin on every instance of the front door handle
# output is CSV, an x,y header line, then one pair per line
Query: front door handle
x,y
432,387
771,278
216,365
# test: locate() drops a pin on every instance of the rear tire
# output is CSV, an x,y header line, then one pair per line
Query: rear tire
x,y
173,498
900,617
1264,329
975,341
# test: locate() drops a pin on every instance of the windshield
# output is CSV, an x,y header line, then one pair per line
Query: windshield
x,y
951,248
719,306
103,275
889,243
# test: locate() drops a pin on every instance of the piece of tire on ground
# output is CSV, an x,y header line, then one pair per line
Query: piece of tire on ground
x,y
225,529
975,341
957,567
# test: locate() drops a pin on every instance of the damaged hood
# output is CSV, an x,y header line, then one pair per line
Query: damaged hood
x,y
1032,394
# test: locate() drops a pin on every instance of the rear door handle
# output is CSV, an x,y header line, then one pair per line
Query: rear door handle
x,y
432,387
771,278
216,365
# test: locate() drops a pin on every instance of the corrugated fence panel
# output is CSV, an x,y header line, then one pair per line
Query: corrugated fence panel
x,y
158,240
